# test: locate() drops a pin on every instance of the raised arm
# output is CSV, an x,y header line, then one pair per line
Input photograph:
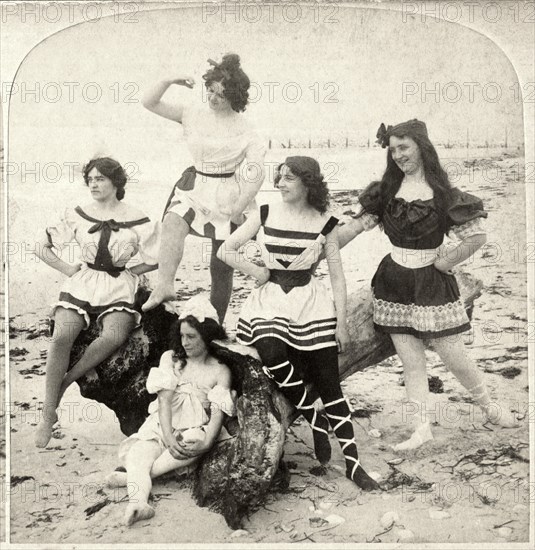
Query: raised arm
x,y
230,253
338,284
152,98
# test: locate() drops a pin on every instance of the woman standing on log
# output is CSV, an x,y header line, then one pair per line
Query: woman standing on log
x,y
109,233
185,421
416,296
211,197
290,309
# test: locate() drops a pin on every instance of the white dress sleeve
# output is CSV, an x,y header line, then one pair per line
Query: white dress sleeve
x,y
221,399
162,377
256,148
60,230
149,241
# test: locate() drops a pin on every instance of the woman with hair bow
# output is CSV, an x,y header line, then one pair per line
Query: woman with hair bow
x,y
109,233
415,294
212,196
186,420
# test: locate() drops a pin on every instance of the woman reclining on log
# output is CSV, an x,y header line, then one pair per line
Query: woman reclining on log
x,y
109,233
416,296
292,309
186,420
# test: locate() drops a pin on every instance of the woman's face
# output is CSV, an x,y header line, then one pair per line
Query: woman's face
x,y
290,186
191,340
216,99
100,186
406,154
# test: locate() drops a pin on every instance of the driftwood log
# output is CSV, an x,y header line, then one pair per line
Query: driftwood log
x,y
234,477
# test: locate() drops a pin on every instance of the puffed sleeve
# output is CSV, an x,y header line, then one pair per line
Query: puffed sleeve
x,y
466,215
368,208
256,148
60,230
162,377
149,241
221,399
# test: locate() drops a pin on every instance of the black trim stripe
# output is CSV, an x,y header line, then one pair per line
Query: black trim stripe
x,y
283,233
329,226
421,334
280,249
286,322
300,336
86,306
322,341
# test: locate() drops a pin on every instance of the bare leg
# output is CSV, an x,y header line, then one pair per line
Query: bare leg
x,y
221,289
454,356
163,464
174,232
139,461
116,327
411,351
67,326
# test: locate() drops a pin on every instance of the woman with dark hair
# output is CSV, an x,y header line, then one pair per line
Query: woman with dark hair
x,y
186,419
110,233
415,294
211,197
291,311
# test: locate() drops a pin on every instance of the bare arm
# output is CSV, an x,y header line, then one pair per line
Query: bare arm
x,y
252,182
152,98
348,231
458,254
338,284
216,419
230,253
139,269
165,398
44,251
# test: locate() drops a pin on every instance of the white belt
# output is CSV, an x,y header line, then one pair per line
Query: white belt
x,y
414,259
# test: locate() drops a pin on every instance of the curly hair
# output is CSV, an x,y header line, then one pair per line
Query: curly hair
x,y
308,171
109,168
209,331
235,82
435,175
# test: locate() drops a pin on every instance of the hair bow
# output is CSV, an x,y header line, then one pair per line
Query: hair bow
x,y
383,135
199,307
217,65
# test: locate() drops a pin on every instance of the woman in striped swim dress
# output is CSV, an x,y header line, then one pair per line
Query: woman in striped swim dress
x,y
291,311
416,296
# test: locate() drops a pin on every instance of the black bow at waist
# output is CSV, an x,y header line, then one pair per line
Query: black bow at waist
x,y
290,279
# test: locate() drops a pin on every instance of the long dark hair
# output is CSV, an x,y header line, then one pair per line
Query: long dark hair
x,y
111,169
235,82
435,175
308,171
209,331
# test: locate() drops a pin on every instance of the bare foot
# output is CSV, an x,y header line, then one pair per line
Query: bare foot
x,y
419,437
137,512
116,479
44,433
499,416
159,294
91,375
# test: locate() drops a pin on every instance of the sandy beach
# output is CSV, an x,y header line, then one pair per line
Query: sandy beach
x,y
469,485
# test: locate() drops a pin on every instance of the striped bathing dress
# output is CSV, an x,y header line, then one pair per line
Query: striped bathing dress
x,y
411,296
104,283
221,148
292,306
